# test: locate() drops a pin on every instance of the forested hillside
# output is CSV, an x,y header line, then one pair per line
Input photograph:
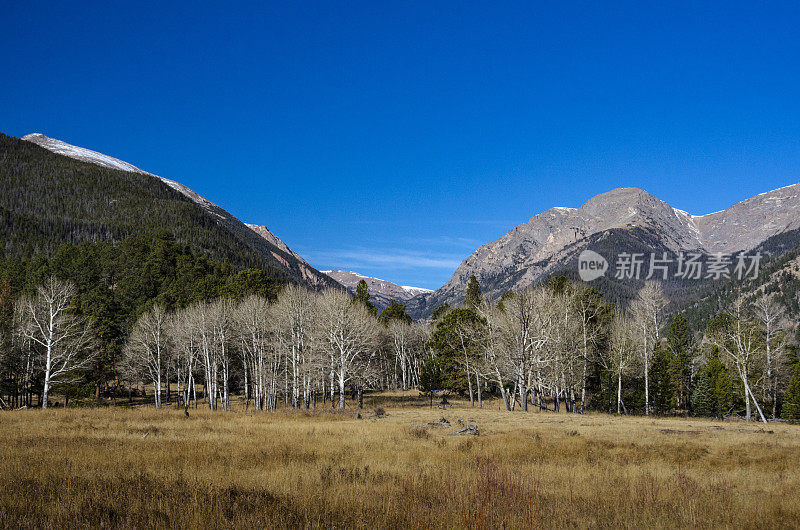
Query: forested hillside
x,y
779,278
49,200
114,284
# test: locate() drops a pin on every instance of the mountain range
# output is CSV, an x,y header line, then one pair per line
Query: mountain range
x,y
621,220
381,292
56,192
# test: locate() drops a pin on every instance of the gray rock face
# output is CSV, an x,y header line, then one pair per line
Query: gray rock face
x,y
264,232
752,221
550,239
306,271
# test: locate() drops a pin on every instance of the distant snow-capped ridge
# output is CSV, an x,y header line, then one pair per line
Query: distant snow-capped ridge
x,y
358,277
381,292
415,290
93,157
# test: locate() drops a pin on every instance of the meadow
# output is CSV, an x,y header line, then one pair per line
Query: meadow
x,y
139,467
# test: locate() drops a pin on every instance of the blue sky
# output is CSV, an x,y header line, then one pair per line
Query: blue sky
x,y
395,138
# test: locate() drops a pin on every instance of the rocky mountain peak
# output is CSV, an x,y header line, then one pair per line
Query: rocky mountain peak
x,y
548,240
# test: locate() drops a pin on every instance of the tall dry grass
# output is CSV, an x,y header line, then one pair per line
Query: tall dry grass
x,y
144,468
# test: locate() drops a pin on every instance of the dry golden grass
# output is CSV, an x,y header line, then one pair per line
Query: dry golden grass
x,y
139,467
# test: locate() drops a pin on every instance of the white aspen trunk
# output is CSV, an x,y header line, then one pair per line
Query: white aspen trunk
x,y
503,392
773,396
478,383
225,400
157,372
47,372
513,396
341,389
746,397
295,389
646,378
523,394
332,389
758,408
471,393
583,386
246,386
403,371
619,392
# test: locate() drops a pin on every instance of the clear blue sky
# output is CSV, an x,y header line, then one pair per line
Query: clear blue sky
x,y
394,138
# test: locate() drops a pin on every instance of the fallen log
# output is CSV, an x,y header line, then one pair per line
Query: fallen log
x,y
469,429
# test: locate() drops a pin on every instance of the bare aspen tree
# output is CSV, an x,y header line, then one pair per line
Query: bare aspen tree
x,y
623,353
517,335
770,315
274,357
740,345
588,307
296,309
186,343
61,340
251,318
202,322
348,331
221,320
495,359
561,375
525,327
367,370
146,352
401,339
420,333
645,311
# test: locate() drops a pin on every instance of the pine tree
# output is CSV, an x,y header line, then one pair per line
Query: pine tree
x,y
430,377
440,312
721,385
473,298
455,341
791,404
679,345
395,311
662,391
362,297
704,402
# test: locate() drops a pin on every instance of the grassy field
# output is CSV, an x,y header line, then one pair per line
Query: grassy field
x,y
138,467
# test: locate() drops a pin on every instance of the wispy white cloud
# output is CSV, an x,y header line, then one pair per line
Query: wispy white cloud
x,y
448,241
382,258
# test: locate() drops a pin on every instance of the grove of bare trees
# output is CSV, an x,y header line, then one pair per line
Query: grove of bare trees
x,y
552,346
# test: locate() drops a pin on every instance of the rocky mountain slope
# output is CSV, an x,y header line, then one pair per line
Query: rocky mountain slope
x,y
108,200
381,292
624,219
265,233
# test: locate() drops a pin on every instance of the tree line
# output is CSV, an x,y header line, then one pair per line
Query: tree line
x,y
110,285
554,346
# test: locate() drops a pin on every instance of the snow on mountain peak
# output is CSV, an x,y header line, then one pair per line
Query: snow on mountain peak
x,y
99,159
81,153
415,290
382,292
